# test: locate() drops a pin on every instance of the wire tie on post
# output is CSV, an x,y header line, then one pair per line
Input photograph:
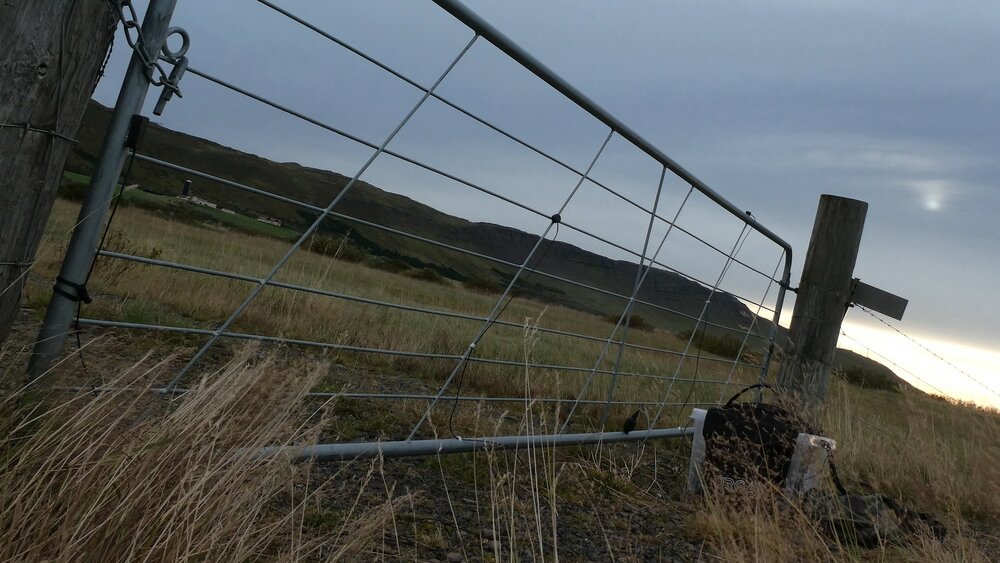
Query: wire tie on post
x,y
788,287
26,127
80,289
556,218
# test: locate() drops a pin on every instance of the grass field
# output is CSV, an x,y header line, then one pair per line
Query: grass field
x,y
145,294
622,503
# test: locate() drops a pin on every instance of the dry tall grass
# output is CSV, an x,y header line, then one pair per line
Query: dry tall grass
x,y
930,455
119,476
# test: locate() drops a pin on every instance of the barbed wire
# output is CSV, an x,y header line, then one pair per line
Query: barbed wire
x,y
894,364
879,424
928,350
28,127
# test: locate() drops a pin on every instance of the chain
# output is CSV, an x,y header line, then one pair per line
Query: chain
x,y
156,74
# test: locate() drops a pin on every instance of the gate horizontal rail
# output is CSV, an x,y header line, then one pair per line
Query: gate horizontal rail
x,y
386,352
525,59
404,307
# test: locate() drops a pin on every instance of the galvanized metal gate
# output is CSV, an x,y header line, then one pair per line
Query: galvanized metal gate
x,y
756,280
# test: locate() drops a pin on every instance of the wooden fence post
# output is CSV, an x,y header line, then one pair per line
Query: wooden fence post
x,y
822,299
52,54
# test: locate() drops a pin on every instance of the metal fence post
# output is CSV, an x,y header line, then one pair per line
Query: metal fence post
x,y
83,244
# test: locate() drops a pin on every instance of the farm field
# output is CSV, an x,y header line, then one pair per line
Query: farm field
x,y
435,282
623,502
139,293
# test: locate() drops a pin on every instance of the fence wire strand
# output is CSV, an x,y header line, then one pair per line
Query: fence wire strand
x,y
923,347
315,225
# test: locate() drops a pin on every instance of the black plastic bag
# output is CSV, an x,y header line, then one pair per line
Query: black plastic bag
x,y
749,445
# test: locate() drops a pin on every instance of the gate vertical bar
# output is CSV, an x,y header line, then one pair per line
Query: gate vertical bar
x,y
783,286
639,278
83,244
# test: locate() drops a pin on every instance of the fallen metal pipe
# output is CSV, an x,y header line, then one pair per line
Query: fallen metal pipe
x,y
365,450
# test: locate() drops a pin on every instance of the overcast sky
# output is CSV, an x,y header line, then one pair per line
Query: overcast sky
x,y
771,103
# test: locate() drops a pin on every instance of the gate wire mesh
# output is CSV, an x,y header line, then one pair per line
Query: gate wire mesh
x,y
627,285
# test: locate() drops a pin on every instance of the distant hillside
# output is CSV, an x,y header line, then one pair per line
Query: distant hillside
x,y
375,205
865,372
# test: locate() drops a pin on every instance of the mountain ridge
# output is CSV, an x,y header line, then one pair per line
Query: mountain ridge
x,y
316,187
676,301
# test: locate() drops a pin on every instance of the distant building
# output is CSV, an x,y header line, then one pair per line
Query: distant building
x,y
229,211
198,201
269,220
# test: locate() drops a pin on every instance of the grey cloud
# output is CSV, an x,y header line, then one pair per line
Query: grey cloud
x,y
772,103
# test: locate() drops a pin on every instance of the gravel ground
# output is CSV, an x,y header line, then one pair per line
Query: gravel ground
x,y
453,519
498,506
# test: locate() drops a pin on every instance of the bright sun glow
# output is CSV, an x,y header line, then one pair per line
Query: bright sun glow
x,y
933,192
978,383
921,368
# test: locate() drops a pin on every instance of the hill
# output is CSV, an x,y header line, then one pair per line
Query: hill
x,y
375,205
101,448
682,297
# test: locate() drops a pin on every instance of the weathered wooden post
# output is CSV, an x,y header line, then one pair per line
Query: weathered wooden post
x,y
69,288
823,297
49,65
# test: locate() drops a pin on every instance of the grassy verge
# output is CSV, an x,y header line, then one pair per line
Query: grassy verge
x,y
139,293
127,476
119,477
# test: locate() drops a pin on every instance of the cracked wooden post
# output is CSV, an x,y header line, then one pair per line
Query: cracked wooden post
x,y
52,54
822,300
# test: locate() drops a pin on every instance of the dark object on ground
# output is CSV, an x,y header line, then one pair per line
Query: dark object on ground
x,y
749,445
630,422
871,520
